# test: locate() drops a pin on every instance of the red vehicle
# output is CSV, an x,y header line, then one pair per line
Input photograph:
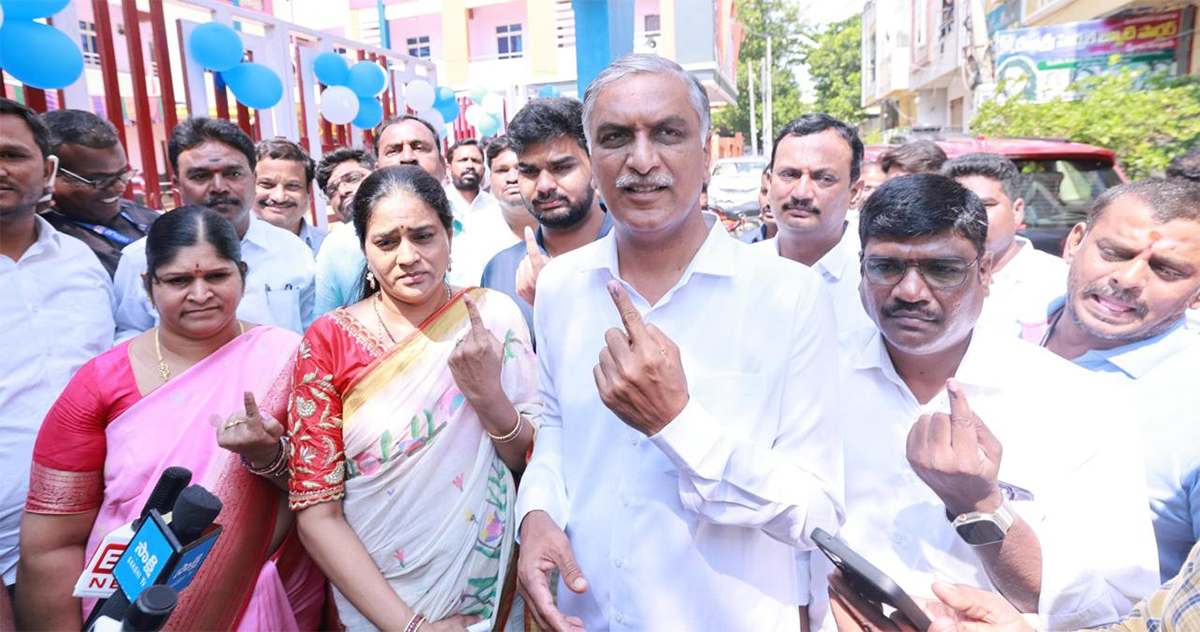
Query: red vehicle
x,y
1061,179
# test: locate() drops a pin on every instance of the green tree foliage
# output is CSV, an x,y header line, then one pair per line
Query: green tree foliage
x,y
1146,121
835,64
782,20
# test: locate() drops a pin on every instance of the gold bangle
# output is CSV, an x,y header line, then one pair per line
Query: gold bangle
x,y
512,435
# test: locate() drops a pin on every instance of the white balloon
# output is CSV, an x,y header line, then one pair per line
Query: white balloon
x,y
434,118
1,15
419,95
493,104
339,105
474,114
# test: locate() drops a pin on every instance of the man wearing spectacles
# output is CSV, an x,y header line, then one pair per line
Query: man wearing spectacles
x,y
93,174
969,458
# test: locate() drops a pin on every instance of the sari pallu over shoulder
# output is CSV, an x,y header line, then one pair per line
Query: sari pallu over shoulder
x,y
175,426
426,491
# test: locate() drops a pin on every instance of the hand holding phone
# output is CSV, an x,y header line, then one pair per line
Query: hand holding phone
x,y
861,579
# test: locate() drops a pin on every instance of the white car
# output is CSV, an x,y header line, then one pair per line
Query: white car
x,y
735,181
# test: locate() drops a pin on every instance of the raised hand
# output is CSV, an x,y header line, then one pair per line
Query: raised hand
x,y
531,266
475,361
975,610
251,433
957,456
544,547
640,376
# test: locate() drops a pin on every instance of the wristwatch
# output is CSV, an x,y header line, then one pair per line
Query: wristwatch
x,y
979,528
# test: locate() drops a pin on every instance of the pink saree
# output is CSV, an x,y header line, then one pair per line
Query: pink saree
x,y
242,585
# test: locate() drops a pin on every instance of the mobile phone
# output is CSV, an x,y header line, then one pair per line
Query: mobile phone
x,y
869,582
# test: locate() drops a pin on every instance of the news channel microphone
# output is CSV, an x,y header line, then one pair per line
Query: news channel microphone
x,y
96,579
162,553
149,613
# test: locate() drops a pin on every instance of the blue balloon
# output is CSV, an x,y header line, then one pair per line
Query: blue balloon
x,y
449,109
31,9
39,55
444,94
215,46
488,126
255,85
366,79
331,69
548,92
370,113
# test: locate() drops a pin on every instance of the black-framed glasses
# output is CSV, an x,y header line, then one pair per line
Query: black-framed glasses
x,y
105,182
941,273
353,177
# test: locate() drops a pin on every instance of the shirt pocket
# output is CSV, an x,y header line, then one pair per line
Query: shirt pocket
x,y
276,307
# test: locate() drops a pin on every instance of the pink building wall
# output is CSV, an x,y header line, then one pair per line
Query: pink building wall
x,y
403,28
481,29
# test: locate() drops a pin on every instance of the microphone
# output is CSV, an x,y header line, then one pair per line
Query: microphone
x,y
96,579
149,613
162,553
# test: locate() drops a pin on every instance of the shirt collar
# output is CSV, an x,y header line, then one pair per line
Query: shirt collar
x,y
1136,359
716,255
49,240
258,233
841,257
981,368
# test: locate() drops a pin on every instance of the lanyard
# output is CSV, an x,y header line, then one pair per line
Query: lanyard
x,y
110,234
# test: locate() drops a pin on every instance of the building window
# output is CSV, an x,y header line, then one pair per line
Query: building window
x,y
653,23
508,41
419,47
88,44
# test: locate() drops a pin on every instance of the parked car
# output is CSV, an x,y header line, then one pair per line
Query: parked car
x,y
735,181
1061,180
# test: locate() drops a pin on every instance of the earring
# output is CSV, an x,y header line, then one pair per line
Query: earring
x,y
370,280
450,263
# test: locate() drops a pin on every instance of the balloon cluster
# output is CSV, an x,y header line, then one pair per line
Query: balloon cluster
x,y
37,54
219,49
350,95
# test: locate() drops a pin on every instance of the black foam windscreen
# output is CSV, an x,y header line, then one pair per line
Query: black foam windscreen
x,y
194,511
166,490
151,610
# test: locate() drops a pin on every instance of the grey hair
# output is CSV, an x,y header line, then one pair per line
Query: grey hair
x,y
639,63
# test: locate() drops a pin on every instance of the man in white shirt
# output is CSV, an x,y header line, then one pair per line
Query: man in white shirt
x,y
1032,485
1135,271
283,178
1024,279
679,473
813,178
214,165
56,313
480,230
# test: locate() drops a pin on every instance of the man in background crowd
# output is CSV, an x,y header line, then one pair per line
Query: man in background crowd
x,y
93,173
283,189
918,156
502,165
480,229
338,176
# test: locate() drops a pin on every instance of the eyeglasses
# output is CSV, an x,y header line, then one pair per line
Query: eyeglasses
x,y
940,273
103,183
353,177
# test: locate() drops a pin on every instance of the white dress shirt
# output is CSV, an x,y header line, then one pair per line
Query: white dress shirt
x,y
56,315
480,232
1073,448
279,283
841,272
1024,286
693,528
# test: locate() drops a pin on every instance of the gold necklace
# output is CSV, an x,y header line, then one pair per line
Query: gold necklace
x,y
164,371
378,316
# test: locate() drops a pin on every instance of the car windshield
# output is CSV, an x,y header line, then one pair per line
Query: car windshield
x,y
732,168
1060,192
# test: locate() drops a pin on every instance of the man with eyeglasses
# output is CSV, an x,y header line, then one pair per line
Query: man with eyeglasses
x,y
93,173
338,175
970,459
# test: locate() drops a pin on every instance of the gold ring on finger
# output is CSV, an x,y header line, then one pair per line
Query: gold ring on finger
x,y
234,423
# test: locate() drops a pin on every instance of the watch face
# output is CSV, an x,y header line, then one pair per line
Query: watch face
x,y
981,532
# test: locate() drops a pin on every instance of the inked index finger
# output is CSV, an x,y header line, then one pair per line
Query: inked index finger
x,y
251,406
531,247
959,408
635,327
473,312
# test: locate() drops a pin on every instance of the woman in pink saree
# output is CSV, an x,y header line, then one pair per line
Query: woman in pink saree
x,y
410,412
152,403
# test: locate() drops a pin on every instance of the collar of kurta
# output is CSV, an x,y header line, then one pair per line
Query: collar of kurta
x,y
716,256
1137,359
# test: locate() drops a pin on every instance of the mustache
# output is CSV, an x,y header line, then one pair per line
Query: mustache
x,y
1120,295
274,204
807,205
654,180
221,200
547,198
919,309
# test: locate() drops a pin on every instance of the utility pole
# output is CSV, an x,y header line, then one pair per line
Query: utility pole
x,y
768,89
753,125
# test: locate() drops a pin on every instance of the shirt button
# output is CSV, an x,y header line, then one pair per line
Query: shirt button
x,y
633,440
625,501
620,618
619,562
